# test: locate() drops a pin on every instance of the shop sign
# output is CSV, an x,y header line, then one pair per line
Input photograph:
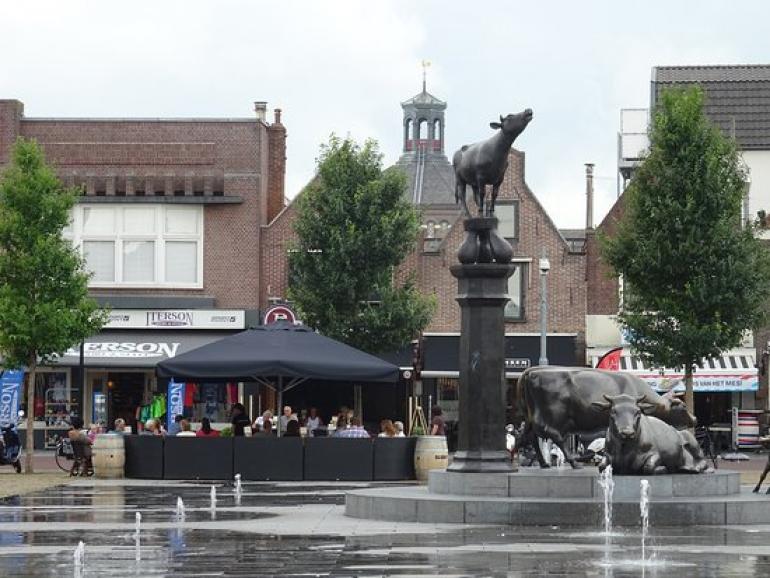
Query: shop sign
x,y
10,392
176,319
704,382
126,349
279,313
513,363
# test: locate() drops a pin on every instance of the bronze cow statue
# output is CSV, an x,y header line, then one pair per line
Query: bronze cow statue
x,y
642,445
484,163
558,401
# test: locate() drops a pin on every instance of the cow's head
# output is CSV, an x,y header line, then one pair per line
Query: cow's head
x,y
625,413
513,124
678,416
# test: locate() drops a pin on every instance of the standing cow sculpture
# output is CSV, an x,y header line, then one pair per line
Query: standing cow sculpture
x,y
484,163
559,401
638,444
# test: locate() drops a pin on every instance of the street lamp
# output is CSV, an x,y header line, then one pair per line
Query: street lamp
x,y
544,265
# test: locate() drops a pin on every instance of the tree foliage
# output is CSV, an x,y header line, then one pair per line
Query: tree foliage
x,y
694,279
44,303
354,227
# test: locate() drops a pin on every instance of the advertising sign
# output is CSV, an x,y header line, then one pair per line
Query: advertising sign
x,y
703,382
174,401
176,319
10,396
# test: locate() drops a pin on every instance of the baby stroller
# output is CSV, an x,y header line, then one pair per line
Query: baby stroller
x,y
10,447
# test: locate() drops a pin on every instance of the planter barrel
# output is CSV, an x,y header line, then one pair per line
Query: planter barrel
x,y
109,456
430,453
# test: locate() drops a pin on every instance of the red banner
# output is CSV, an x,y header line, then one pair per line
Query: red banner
x,y
610,360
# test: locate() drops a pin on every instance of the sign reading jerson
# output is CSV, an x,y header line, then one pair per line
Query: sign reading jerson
x,y
176,319
114,349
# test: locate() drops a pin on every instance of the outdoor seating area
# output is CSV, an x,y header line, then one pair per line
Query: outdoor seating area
x,y
270,458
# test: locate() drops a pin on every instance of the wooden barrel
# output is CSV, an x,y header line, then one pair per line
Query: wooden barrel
x,y
109,456
430,453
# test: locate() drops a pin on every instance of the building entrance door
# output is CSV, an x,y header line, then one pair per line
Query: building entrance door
x,y
125,392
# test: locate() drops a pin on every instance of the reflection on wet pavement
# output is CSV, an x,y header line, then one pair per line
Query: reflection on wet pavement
x,y
299,530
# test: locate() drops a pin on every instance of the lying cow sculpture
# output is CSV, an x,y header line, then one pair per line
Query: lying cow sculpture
x,y
639,444
559,401
484,163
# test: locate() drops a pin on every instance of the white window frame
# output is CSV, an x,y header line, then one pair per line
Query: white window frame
x,y
159,238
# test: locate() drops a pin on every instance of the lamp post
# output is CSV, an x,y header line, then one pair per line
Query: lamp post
x,y
544,265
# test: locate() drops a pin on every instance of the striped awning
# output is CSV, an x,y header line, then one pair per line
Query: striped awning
x,y
733,371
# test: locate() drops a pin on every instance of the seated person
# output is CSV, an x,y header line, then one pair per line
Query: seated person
x,y
356,430
185,430
120,426
292,428
388,429
206,430
151,428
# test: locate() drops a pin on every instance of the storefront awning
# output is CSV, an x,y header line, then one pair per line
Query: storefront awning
x,y
733,371
136,349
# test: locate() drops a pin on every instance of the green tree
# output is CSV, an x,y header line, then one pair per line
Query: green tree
x,y
354,227
44,303
694,279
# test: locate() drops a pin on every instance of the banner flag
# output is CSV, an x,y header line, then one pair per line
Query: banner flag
x,y
610,360
10,396
174,401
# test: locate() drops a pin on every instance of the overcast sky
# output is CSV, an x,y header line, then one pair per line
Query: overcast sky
x,y
344,67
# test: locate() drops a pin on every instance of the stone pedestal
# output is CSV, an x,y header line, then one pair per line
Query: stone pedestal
x,y
482,295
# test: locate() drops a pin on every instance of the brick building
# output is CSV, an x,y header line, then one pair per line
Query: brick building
x,y
522,220
170,223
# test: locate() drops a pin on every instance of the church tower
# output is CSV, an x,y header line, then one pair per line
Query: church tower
x,y
423,158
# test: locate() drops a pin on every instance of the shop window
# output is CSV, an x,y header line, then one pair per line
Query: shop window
x,y
181,261
507,214
100,260
140,245
54,404
514,309
448,389
139,261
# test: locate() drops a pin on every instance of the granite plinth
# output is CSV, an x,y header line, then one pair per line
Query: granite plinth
x,y
534,497
583,483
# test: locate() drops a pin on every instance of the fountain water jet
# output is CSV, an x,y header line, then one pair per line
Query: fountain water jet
x,y
79,557
180,514
607,484
237,489
644,508
137,544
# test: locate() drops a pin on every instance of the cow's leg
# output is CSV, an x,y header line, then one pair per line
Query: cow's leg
x,y
531,434
460,189
762,477
480,192
493,200
652,466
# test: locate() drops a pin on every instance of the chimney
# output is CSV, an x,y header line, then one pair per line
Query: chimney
x,y
276,138
589,196
260,108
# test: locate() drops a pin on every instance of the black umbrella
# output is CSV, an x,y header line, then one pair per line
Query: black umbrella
x,y
289,353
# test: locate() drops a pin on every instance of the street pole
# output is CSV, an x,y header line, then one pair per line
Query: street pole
x,y
544,267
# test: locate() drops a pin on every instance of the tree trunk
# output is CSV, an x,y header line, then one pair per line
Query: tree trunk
x,y
689,397
30,450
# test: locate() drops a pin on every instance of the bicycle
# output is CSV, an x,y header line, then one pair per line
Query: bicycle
x,y
64,454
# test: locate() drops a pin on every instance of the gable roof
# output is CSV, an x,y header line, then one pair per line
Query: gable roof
x,y
737,98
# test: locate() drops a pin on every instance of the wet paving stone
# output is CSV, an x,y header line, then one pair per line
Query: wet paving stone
x,y
300,530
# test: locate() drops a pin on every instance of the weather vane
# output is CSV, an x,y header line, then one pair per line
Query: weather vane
x,y
425,65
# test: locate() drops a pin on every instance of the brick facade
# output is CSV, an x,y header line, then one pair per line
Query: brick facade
x,y
240,160
566,280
